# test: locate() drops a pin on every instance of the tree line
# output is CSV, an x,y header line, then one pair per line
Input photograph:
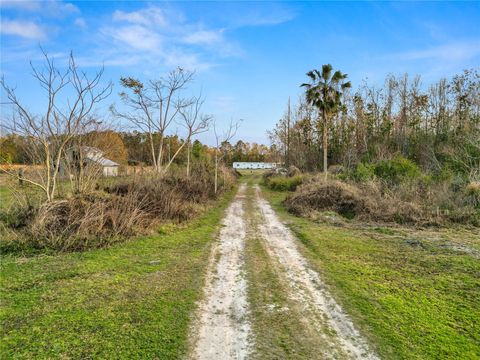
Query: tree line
x,y
436,126
132,148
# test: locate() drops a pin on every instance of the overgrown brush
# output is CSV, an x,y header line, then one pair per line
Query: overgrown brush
x,y
87,222
283,179
405,203
350,201
114,213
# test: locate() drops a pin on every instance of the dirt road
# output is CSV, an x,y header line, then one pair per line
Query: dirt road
x,y
224,330
306,287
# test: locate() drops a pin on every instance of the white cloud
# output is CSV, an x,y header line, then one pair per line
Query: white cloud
x,y
164,37
52,8
80,22
149,16
204,37
185,59
22,5
25,29
449,52
136,37
269,14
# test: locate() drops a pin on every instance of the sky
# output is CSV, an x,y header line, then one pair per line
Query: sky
x,y
248,57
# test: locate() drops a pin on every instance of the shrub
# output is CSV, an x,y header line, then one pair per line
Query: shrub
x,y
87,222
351,201
116,212
328,196
293,171
283,183
268,174
363,172
472,193
397,170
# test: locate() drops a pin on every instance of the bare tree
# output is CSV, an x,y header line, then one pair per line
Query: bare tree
x,y
71,98
220,138
195,123
154,107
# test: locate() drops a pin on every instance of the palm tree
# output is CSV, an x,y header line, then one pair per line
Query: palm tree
x,y
325,93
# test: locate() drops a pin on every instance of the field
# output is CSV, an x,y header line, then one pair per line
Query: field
x,y
410,292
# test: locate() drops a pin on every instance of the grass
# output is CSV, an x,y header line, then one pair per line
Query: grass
x,y
415,294
133,300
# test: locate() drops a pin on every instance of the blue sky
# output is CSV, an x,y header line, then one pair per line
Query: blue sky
x,y
249,56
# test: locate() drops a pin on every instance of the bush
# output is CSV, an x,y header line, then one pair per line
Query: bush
x,y
472,193
328,196
283,183
397,170
118,211
87,222
363,172
293,171
351,201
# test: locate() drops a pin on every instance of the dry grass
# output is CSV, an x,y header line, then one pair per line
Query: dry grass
x,y
88,221
374,201
111,214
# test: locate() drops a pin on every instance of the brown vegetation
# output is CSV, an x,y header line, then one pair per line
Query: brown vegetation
x,y
112,213
376,201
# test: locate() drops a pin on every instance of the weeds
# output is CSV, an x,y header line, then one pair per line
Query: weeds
x,y
376,200
110,214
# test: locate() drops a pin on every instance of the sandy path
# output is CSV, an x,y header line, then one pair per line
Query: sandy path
x,y
321,310
223,329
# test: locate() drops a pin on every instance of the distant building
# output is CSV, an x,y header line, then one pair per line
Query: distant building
x,y
254,165
88,157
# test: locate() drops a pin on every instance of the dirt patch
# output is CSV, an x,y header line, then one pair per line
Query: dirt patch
x,y
223,329
306,287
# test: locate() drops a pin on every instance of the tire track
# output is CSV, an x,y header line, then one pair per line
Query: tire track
x,y
223,330
320,309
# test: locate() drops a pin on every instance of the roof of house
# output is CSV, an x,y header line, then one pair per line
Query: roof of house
x,y
96,155
105,162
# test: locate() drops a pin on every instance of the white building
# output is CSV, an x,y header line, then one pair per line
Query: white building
x,y
254,165
91,158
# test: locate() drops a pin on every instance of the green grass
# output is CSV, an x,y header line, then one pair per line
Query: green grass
x,y
415,294
5,196
131,301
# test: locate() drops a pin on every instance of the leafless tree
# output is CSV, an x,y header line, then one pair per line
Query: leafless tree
x,y
195,122
220,138
71,99
154,107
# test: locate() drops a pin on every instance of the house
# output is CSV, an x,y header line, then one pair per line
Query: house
x,y
254,165
90,158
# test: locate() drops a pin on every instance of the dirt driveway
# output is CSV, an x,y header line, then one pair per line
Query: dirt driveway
x,y
223,329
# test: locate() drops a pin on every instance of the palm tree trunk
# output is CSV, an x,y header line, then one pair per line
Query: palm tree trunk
x,y
325,145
